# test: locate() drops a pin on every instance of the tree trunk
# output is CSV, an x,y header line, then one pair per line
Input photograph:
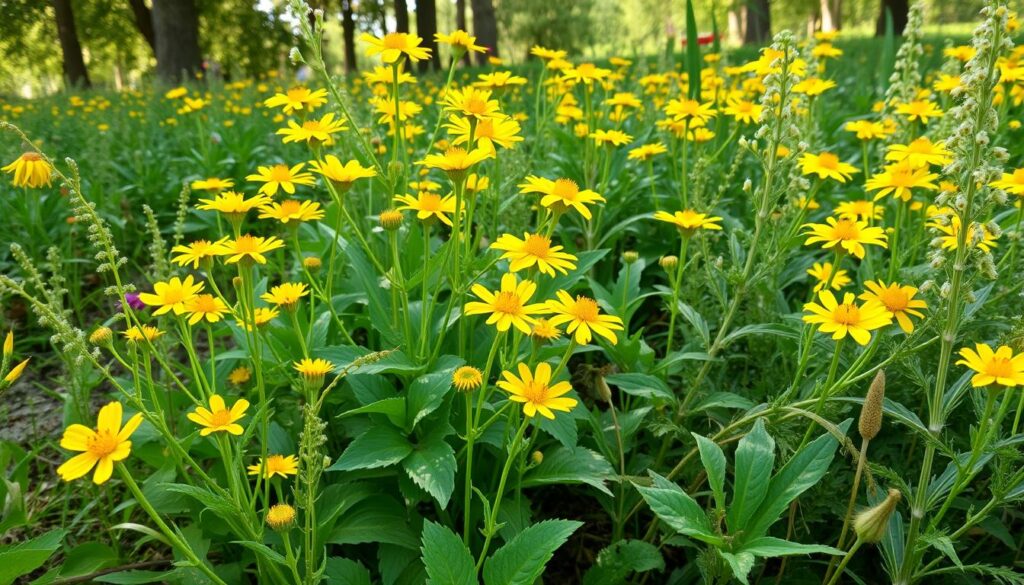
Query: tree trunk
x,y
176,26
460,23
899,10
401,16
485,27
143,21
75,73
426,26
831,15
759,22
348,33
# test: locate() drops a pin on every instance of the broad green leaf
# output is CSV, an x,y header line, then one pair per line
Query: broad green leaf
x,y
677,509
547,287
380,446
17,560
343,355
616,562
425,395
801,472
446,558
768,546
696,320
564,465
692,53
341,571
741,563
432,466
137,577
713,459
755,457
643,385
723,400
377,519
521,561
264,551
87,558
393,408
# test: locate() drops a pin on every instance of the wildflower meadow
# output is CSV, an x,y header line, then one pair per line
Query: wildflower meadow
x,y
712,314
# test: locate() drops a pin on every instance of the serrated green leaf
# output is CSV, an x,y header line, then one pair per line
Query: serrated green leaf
x,y
616,562
393,408
341,571
20,559
713,459
376,519
740,563
677,509
432,466
768,546
378,447
564,465
522,560
446,558
643,385
425,395
755,457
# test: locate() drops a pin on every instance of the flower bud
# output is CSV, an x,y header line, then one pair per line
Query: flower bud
x,y
669,263
280,517
312,263
391,219
630,256
603,391
9,344
537,457
467,379
102,336
871,524
871,412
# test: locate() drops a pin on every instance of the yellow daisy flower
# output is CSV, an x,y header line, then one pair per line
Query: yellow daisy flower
x,y
534,250
429,205
249,248
393,46
232,203
292,210
849,234
689,221
280,176
846,318
536,392
1012,183
286,295
467,379
993,367
584,318
920,152
823,271
313,371
219,418
99,448
137,333
507,307
297,99
898,180
282,465
30,170
172,295
827,166
898,300
341,175
455,160
561,195
205,306
212,184
197,252
313,131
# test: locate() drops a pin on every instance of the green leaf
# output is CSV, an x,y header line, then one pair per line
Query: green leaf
x,y
447,559
20,559
722,400
564,465
693,317
138,577
521,561
426,394
378,447
768,546
741,563
432,466
677,509
343,355
547,287
616,562
692,52
801,472
393,408
755,457
87,558
264,551
643,385
340,571
713,459
377,519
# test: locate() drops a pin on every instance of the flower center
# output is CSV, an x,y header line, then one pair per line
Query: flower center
x,y
394,41
846,314
102,444
205,304
475,105
586,309
430,202
535,392
290,207
845,229
507,302
565,189
280,174
894,299
538,246
1000,368
828,160
31,156
220,418
485,129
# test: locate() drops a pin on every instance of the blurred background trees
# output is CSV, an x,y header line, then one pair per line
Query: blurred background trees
x,y
49,44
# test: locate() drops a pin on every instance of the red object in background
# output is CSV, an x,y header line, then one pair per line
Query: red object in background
x,y
702,39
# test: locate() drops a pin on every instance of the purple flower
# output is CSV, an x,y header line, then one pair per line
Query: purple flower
x,y
133,301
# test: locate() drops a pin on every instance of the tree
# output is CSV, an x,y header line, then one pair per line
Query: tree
x,y
460,23
485,27
75,73
176,26
831,14
348,33
401,16
899,10
426,26
759,22
143,21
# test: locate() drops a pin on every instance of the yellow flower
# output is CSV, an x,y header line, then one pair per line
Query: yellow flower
x,y
744,111
296,99
536,392
827,166
611,137
172,295
962,53
689,221
232,203
460,40
920,152
177,92
15,373
239,375
866,129
534,249
584,318
898,179
147,332
860,209
898,300
385,75
429,205
646,151
547,54
342,175
30,170
472,103
919,110
250,248
993,367
624,100
280,176
1012,183
978,235
585,73
313,371
197,252
99,448
813,86
467,379
848,318
276,465
280,517
822,272
849,234
292,210
501,131
561,195
313,131
499,80
392,46
455,160
543,330
219,417
286,295
946,82
683,110
206,307
507,306
387,110
212,184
